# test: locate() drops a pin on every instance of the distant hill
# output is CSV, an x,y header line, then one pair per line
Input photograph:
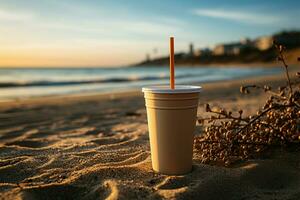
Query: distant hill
x,y
244,53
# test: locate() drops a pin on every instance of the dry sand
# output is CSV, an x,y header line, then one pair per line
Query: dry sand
x,y
96,147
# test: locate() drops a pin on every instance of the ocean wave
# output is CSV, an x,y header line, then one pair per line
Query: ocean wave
x,y
93,81
77,82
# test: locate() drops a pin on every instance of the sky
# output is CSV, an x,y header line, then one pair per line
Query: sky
x,y
62,33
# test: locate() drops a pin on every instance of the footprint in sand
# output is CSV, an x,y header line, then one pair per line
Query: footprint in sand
x,y
107,190
173,182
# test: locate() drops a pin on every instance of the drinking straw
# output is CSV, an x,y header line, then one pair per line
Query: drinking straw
x,y
172,79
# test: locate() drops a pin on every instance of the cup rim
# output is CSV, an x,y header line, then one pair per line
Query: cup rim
x,y
179,89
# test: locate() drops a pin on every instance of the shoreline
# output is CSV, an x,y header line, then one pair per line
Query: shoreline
x,y
129,93
113,94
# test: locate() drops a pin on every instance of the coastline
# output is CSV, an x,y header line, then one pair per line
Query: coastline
x,y
16,84
69,98
290,55
230,64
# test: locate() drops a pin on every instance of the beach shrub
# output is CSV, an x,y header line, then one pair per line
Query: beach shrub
x,y
231,137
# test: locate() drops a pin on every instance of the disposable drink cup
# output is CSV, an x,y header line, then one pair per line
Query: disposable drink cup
x,y
171,115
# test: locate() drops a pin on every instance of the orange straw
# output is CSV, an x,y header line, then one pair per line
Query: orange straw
x,y
172,79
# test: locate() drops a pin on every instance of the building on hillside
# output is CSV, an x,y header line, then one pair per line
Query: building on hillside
x,y
246,42
220,49
228,49
263,43
148,57
191,49
203,52
233,48
237,50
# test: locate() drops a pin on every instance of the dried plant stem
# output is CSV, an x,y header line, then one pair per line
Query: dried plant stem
x,y
224,118
268,91
281,58
238,143
261,114
228,116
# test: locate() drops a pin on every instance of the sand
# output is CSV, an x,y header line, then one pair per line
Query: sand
x,y
97,147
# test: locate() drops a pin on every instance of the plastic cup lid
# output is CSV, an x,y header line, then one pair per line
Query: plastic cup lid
x,y
178,89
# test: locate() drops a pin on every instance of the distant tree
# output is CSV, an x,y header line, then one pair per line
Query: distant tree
x,y
290,39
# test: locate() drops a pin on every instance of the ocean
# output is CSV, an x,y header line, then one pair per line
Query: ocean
x,y
18,83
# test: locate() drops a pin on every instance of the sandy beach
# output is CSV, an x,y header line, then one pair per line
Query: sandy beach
x,y
97,147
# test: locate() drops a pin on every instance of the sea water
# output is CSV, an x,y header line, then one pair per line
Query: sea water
x,y
16,83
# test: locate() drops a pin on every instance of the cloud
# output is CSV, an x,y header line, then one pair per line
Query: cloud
x,y
239,16
84,19
168,20
113,27
6,15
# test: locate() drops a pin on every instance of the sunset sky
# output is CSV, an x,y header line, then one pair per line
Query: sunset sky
x,y
117,32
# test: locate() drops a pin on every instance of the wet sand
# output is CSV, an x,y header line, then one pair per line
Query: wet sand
x,y
96,147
